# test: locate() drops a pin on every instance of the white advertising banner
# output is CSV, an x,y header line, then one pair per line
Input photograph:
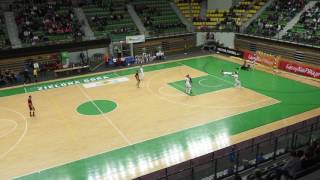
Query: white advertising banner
x,y
135,39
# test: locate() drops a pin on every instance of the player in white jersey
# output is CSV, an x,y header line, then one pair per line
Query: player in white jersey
x,y
237,82
235,75
141,73
188,84
226,73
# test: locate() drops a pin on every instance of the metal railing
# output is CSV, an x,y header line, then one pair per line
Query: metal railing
x,y
244,155
278,39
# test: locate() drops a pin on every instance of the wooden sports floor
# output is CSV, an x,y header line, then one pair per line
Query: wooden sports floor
x,y
102,127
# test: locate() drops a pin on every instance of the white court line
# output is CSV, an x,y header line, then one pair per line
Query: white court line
x,y
25,90
11,130
204,106
231,83
211,75
210,86
81,115
21,137
23,134
138,142
170,95
105,117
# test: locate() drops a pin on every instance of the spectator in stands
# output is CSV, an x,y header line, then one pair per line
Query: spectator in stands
x,y
282,12
35,74
13,77
306,160
291,166
46,17
308,27
7,77
237,177
26,76
256,176
232,155
260,158
2,79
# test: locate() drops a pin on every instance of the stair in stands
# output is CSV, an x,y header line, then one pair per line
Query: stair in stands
x,y
85,27
295,20
137,20
204,8
12,28
263,8
183,19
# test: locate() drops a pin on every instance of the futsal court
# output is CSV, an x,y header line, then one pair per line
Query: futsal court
x,y
102,126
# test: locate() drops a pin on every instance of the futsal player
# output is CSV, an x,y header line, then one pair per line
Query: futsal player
x,y
31,107
226,73
237,82
137,78
235,75
141,73
188,84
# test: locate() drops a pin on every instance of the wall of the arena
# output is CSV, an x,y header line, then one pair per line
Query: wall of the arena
x,y
226,38
201,38
286,50
75,56
219,4
168,44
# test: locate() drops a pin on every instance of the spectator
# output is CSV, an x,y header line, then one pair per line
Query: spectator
x,y
26,76
237,177
282,12
47,18
291,166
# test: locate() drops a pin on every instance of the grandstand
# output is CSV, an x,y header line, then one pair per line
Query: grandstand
x,y
159,89
110,20
158,17
3,33
228,20
275,18
189,9
46,22
307,29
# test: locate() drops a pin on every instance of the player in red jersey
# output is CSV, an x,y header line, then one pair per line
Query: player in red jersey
x,y
31,107
138,79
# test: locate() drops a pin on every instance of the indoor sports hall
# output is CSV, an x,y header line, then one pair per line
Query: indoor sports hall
x,y
101,125
159,89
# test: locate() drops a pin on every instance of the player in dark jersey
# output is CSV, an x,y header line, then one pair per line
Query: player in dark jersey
x,y
138,79
31,107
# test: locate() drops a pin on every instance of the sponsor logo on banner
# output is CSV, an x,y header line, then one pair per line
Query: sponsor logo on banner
x,y
299,69
106,82
231,52
247,55
262,58
66,83
135,39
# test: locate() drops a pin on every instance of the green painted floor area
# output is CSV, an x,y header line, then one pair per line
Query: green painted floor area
x,y
96,107
204,84
294,97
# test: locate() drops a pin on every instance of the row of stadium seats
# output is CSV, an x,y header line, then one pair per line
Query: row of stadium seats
x,y
307,30
46,22
189,8
230,19
56,22
275,17
158,17
110,20
13,72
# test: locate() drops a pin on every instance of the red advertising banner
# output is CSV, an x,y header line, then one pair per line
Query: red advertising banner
x,y
247,55
299,69
262,58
